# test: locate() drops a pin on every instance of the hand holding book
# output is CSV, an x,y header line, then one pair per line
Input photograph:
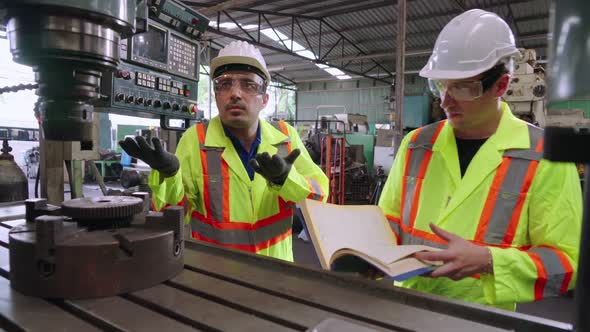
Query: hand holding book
x,y
461,259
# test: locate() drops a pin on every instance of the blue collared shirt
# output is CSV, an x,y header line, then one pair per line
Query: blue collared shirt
x,y
242,153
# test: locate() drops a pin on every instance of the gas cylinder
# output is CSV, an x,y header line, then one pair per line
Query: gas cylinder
x,y
14,185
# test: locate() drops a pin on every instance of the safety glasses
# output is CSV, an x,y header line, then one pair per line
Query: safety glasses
x,y
225,83
461,90
467,90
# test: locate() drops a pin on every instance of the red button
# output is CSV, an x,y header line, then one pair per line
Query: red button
x,y
186,93
195,21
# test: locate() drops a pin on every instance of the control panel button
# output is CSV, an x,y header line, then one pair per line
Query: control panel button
x,y
157,103
184,109
120,97
139,101
130,99
192,109
148,102
124,74
167,105
175,107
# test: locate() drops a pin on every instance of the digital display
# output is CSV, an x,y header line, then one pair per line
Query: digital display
x,y
151,45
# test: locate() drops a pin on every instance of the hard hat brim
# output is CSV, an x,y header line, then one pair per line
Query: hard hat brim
x,y
236,59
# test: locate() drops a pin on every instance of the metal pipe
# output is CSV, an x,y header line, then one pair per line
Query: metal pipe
x,y
400,78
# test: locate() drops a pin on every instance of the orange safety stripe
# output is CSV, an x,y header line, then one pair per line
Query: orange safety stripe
x,y
541,275
243,247
206,199
421,173
233,225
238,235
424,235
285,131
406,171
486,214
513,225
226,180
316,191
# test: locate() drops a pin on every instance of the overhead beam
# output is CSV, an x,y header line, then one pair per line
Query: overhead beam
x,y
285,51
225,5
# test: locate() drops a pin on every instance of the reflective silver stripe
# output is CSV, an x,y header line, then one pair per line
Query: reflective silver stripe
x,y
407,238
510,189
316,189
215,179
554,269
396,229
251,237
418,148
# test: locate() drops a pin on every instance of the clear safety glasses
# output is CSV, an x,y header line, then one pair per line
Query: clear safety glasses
x,y
461,90
467,90
225,83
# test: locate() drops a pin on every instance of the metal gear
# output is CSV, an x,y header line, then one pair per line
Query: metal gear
x,y
102,208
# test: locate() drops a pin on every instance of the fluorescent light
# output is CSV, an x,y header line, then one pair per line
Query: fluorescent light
x,y
343,77
334,71
249,26
307,54
321,66
228,25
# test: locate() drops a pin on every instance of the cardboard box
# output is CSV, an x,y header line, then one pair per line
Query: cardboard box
x,y
384,137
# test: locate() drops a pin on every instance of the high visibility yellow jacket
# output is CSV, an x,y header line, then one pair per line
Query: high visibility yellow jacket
x,y
223,205
527,210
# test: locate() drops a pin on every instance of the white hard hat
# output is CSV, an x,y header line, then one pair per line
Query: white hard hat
x,y
241,53
470,44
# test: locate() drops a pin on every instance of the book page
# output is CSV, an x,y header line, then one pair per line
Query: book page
x,y
332,227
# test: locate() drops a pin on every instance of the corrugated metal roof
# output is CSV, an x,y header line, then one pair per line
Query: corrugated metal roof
x,y
368,28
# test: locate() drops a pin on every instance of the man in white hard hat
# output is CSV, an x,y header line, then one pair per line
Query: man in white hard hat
x,y
475,184
238,176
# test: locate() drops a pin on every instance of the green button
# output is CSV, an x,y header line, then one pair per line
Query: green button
x,y
187,87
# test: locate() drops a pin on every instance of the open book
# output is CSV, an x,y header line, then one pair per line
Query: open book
x,y
351,238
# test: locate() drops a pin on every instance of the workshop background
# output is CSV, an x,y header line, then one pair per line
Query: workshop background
x,y
336,74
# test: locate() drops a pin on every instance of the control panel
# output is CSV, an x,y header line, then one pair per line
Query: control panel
x,y
178,16
159,69
137,91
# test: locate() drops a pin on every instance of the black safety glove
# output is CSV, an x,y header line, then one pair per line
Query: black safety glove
x,y
275,169
164,162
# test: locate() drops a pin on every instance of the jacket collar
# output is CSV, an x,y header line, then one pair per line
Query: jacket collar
x,y
270,137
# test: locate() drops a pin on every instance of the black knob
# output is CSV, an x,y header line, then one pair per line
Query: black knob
x,y
157,103
166,105
175,107
139,101
148,102
184,109
130,99
120,97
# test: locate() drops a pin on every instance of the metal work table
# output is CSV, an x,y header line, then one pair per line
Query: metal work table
x,y
224,290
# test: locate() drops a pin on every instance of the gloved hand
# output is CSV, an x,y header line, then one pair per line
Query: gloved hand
x,y
164,162
275,169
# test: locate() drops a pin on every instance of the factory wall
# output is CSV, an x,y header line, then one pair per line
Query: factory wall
x,y
363,97
581,104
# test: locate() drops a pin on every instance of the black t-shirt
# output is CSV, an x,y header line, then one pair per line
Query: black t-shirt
x,y
467,148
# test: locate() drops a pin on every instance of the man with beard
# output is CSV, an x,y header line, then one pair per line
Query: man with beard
x,y
238,176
